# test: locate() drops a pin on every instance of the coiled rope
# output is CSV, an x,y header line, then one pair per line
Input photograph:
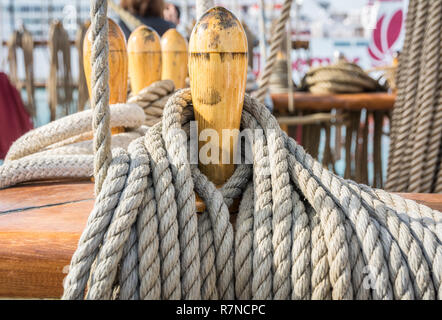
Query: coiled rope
x,y
414,164
40,153
153,99
342,77
63,148
301,231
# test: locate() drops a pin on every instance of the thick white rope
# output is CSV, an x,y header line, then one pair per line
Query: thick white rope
x,y
127,115
301,231
153,99
63,148
40,153
100,90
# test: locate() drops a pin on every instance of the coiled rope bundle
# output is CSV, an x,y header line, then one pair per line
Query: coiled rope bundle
x,y
301,231
342,77
153,99
63,148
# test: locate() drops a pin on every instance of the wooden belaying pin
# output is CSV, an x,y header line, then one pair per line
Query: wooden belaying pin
x,y
218,74
117,65
174,55
144,51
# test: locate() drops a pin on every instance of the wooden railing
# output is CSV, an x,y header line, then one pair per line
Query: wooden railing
x,y
347,114
375,101
39,43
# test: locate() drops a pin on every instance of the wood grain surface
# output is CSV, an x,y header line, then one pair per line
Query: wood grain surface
x,y
218,74
144,54
325,102
40,226
118,63
174,58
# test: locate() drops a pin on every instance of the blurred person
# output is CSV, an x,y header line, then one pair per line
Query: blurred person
x,y
149,12
172,13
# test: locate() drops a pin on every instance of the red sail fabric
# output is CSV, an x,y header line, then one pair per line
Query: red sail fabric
x,y
14,119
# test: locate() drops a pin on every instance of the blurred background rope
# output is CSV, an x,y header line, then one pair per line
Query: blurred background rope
x,y
60,84
23,39
83,93
414,163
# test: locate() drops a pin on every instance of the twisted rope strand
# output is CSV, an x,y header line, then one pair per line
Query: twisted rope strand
x,y
275,43
415,139
100,91
335,239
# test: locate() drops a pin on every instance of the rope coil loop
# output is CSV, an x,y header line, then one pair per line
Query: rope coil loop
x,y
63,148
153,99
341,77
301,231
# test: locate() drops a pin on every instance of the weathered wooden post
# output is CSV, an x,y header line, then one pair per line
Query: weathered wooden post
x,y
144,51
218,73
174,55
117,63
